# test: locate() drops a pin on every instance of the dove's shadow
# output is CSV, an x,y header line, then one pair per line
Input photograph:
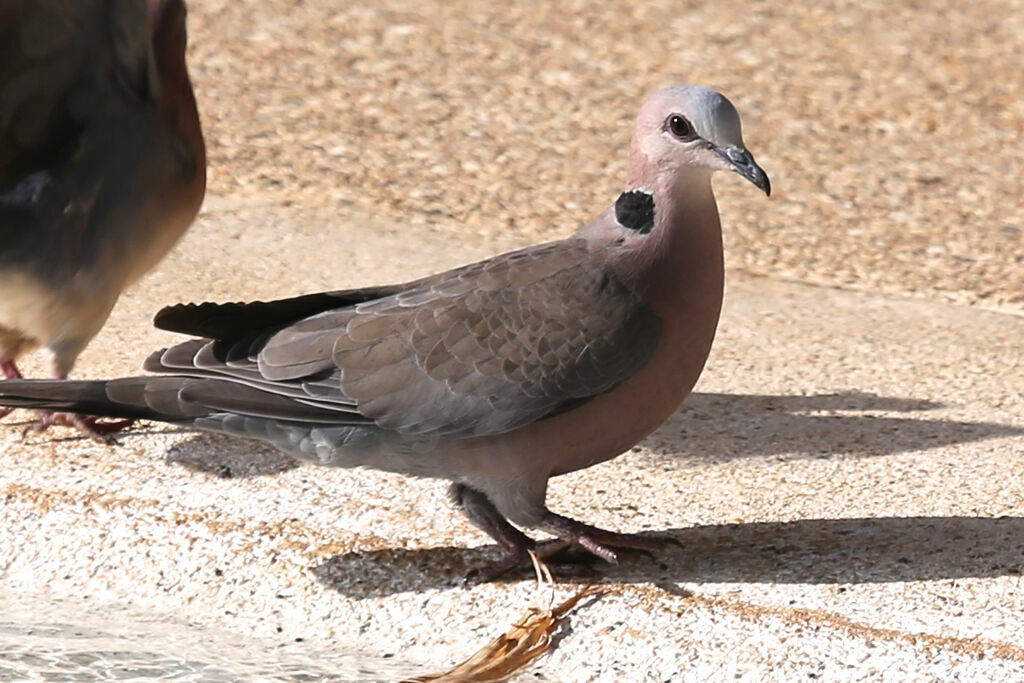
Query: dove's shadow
x,y
815,551
717,427
228,457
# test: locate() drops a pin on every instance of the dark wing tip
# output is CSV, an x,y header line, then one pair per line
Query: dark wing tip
x,y
234,320
193,318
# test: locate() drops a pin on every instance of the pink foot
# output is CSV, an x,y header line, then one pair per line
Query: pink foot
x,y
601,542
89,425
598,542
10,371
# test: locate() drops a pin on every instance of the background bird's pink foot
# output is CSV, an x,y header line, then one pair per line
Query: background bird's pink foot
x,y
89,425
10,370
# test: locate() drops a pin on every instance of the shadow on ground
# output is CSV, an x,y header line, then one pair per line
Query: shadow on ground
x,y
718,427
229,457
816,551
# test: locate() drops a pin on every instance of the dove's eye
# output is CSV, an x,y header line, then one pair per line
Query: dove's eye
x,y
680,127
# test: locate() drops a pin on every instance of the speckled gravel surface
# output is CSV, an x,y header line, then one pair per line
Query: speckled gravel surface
x,y
847,482
891,131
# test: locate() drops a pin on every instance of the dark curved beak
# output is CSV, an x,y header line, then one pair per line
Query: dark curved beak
x,y
743,163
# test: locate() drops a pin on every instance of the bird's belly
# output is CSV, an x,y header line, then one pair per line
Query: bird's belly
x,y
39,314
615,422
28,307
149,241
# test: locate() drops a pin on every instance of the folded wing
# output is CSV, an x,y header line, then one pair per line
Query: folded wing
x,y
479,350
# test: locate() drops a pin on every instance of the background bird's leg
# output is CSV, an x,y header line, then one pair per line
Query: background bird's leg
x,y
599,541
89,425
9,368
10,371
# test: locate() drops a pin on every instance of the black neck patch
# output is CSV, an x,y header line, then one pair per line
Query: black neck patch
x,y
635,210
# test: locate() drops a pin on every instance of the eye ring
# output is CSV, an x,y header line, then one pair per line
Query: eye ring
x,y
680,127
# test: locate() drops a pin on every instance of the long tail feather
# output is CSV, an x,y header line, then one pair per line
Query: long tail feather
x,y
87,397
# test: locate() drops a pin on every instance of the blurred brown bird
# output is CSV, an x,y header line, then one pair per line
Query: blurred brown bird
x,y
102,168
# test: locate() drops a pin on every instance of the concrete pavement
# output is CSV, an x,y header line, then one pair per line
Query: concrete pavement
x,y
846,484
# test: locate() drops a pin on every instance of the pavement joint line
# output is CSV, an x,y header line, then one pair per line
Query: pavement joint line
x,y
291,535
977,647
943,298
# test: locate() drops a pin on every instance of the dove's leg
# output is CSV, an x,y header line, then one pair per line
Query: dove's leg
x,y
482,513
484,516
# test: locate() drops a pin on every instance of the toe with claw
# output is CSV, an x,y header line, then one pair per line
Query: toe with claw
x,y
568,534
89,425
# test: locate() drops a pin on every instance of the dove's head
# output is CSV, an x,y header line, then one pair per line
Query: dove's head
x,y
688,129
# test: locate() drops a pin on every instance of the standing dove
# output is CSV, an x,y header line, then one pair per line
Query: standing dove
x,y
102,167
497,375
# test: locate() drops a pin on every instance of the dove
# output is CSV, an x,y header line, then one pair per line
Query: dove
x,y
495,376
102,168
